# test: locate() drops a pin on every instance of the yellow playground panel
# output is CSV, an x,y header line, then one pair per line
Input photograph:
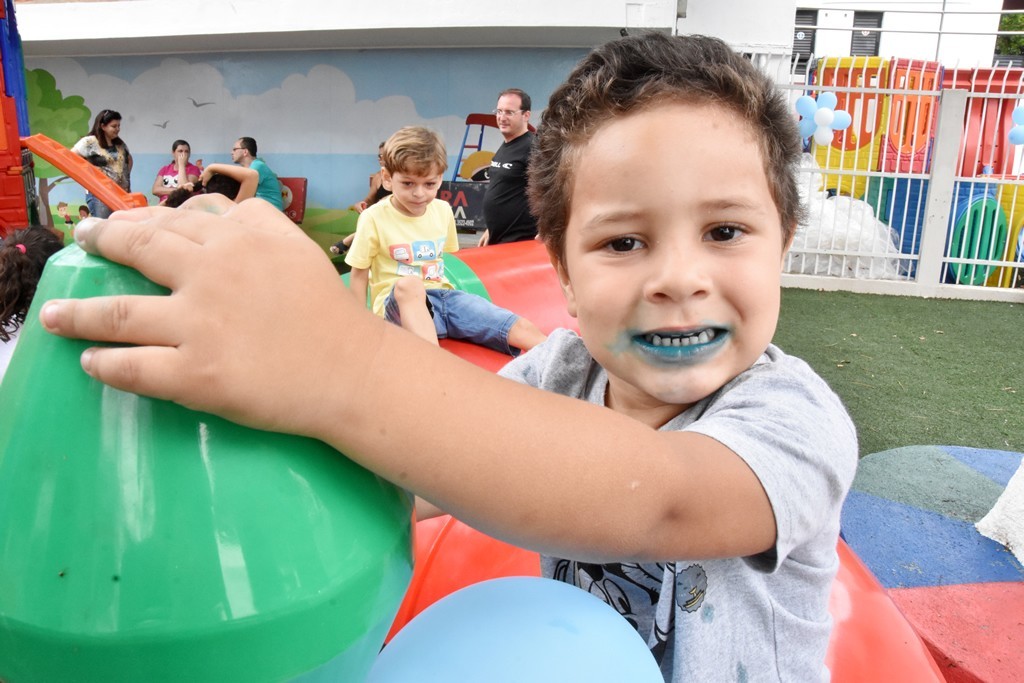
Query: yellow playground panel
x,y
858,147
1011,198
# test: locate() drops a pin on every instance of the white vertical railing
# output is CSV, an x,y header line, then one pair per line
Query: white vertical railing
x,y
844,250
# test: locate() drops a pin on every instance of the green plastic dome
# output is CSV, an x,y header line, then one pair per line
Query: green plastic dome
x,y
141,541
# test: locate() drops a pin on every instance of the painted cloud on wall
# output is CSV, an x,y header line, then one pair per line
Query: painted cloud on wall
x,y
317,112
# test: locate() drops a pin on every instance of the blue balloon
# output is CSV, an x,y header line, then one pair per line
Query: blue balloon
x,y
517,629
807,128
1017,135
828,100
842,120
1018,116
806,106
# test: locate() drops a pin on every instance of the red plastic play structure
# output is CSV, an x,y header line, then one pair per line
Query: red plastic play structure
x,y
17,181
988,121
871,640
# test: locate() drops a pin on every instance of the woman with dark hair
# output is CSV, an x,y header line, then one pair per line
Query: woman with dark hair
x,y
103,147
23,254
180,173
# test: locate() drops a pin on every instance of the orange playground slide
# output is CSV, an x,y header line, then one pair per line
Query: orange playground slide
x,y
83,173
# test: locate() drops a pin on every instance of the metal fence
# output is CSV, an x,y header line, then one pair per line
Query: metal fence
x,y
923,193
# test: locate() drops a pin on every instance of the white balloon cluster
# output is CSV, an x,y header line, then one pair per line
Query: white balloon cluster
x,y
820,118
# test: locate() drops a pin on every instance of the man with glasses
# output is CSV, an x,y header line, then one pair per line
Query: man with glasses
x,y
506,211
243,153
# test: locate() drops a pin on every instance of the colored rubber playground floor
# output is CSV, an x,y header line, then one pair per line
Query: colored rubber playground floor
x,y
915,371
910,517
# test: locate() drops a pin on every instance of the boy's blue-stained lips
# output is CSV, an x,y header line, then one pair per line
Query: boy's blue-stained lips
x,y
675,346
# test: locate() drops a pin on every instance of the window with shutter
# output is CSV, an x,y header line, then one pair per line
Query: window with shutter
x,y
803,39
865,41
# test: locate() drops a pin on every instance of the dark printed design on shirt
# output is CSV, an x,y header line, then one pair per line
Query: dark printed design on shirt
x,y
633,590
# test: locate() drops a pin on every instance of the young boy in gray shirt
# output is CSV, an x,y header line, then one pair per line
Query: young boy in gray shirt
x,y
676,464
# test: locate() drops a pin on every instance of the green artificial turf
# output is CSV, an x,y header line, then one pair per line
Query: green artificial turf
x,y
915,371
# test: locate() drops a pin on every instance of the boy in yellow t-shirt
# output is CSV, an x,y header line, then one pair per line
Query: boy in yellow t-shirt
x,y
398,254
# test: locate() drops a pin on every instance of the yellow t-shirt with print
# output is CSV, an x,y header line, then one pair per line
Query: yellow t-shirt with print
x,y
392,245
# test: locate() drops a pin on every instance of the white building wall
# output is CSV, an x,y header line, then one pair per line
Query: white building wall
x,y
754,26
153,26
912,29
760,27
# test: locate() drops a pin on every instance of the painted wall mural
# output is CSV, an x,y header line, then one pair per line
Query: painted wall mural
x,y
317,114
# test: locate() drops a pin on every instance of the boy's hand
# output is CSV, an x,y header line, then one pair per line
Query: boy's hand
x,y
253,328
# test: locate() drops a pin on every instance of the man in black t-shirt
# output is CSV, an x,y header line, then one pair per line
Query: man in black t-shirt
x,y
506,210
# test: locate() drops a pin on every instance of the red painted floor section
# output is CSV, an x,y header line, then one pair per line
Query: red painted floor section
x,y
975,631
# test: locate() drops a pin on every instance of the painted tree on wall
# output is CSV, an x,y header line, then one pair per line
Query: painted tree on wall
x,y
64,119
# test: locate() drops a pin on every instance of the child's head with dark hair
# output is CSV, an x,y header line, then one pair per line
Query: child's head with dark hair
x,y
217,184
663,181
222,184
177,197
23,255
83,211
646,70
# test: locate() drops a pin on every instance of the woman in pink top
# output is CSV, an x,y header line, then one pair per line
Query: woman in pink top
x,y
178,173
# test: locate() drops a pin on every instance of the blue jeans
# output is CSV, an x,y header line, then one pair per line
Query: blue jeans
x,y
464,316
97,209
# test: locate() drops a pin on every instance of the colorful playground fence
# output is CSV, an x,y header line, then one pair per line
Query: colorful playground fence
x,y
885,159
994,95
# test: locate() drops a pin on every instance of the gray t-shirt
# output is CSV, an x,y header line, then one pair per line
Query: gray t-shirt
x,y
761,618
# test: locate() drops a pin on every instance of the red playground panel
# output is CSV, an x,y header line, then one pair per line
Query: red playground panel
x,y
907,144
293,195
14,170
988,119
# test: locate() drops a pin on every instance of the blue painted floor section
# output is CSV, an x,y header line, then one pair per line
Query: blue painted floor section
x,y
906,547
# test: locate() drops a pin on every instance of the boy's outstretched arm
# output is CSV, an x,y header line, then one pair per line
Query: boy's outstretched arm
x,y
258,322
